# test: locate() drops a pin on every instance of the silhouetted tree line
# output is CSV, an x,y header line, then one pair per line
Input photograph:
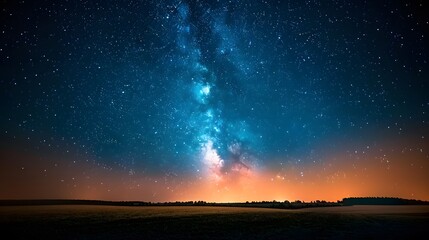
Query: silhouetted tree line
x,y
257,204
261,204
381,201
70,202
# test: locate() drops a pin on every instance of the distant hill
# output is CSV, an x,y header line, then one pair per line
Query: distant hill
x,y
381,201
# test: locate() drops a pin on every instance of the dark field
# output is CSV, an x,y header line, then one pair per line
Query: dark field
x,y
116,222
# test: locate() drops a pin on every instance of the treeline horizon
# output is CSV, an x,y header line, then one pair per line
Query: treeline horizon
x,y
381,201
350,201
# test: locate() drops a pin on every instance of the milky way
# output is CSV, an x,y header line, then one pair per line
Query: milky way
x,y
166,100
203,95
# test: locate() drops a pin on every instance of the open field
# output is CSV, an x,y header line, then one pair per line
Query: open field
x,y
116,222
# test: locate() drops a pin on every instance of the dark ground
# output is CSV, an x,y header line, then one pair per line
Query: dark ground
x,y
118,222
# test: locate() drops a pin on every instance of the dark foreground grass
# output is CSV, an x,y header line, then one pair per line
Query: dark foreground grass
x,y
113,222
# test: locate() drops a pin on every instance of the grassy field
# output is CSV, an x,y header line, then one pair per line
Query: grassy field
x,y
115,222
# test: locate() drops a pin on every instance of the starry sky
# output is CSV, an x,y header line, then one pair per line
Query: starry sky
x,y
214,100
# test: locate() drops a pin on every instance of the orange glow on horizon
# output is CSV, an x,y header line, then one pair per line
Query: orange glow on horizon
x,y
391,173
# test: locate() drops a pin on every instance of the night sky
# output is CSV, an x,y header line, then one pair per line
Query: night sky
x,y
214,100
